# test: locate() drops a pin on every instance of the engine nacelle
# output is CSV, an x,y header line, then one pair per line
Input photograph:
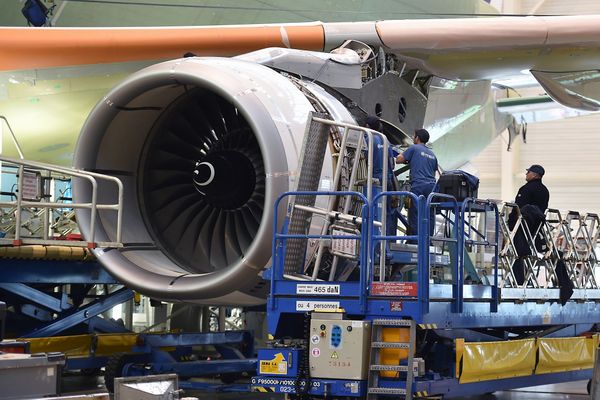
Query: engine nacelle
x,y
203,146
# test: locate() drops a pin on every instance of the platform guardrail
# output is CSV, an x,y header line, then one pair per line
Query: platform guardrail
x,y
23,167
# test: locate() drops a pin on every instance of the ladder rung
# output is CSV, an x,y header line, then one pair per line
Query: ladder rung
x,y
390,345
398,368
386,391
392,322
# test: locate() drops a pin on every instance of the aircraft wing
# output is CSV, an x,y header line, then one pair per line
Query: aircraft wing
x,y
486,48
463,48
57,47
457,49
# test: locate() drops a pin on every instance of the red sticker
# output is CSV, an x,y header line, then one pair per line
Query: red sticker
x,y
396,289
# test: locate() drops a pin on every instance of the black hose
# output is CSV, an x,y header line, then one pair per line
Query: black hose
x,y
304,363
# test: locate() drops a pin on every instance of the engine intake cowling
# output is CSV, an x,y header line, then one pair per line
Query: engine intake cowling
x,y
203,146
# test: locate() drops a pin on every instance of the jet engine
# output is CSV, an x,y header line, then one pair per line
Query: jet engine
x,y
203,146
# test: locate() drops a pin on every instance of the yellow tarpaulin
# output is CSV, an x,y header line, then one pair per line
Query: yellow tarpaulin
x,y
82,345
497,360
115,343
72,346
566,354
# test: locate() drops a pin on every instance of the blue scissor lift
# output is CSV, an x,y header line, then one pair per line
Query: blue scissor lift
x,y
49,298
355,311
47,274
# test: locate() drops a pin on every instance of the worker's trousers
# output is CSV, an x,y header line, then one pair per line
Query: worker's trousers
x,y
423,189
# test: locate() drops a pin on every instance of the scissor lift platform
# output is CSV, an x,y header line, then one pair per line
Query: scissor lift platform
x,y
455,285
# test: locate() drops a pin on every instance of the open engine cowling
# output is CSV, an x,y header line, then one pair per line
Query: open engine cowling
x,y
203,146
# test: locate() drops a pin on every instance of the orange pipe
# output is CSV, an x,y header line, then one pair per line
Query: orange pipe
x,y
28,48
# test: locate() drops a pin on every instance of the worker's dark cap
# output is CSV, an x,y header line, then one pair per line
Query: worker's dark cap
x,y
423,135
538,169
373,122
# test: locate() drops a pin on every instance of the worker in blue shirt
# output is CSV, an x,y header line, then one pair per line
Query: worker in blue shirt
x,y
374,123
423,165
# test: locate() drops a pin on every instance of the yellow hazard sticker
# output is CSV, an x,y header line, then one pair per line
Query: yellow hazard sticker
x,y
334,355
276,366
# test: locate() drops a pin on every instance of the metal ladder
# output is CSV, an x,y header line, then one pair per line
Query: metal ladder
x,y
345,178
354,142
350,167
375,366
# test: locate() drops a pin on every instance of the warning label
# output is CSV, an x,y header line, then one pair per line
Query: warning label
x,y
396,289
317,305
318,289
395,306
31,186
344,246
276,366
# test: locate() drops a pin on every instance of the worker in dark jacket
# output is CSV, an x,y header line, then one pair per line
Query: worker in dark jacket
x,y
532,194
534,191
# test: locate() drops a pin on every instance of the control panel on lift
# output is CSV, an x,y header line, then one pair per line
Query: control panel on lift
x,y
339,349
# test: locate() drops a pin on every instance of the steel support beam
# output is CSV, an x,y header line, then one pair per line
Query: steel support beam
x,y
83,314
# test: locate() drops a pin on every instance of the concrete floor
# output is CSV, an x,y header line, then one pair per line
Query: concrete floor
x,y
76,384
571,391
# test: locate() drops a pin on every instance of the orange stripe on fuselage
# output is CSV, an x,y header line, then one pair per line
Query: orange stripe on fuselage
x,y
28,48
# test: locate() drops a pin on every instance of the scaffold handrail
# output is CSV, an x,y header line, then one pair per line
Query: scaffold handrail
x,y
93,206
557,243
280,236
466,208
